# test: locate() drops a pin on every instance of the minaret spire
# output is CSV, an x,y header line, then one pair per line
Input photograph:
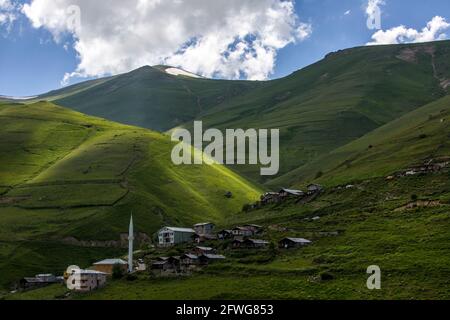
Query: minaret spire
x,y
130,245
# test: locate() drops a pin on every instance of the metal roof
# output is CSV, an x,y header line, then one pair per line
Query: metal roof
x,y
203,224
258,241
291,191
213,256
89,272
176,229
190,256
204,248
298,240
110,262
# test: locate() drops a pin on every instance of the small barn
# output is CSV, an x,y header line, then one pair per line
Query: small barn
x,y
107,265
204,228
40,280
254,228
314,188
255,243
242,232
288,193
200,238
287,243
203,250
210,258
189,259
170,236
270,197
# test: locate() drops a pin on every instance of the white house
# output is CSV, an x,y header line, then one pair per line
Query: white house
x,y
86,280
170,236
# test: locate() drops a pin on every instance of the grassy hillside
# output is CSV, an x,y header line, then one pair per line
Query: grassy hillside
x,y
148,97
338,99
64,174
420,135
318,109
410,246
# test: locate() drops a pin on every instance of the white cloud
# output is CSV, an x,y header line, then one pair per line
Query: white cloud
x,y
432,32
220,38
346,13
8,11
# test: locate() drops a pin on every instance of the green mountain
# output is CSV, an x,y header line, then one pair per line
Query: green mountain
x,y
339,99
353,119
67,175
318,109
148,97
413,139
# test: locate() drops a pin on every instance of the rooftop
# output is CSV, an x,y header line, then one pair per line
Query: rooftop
x,y
299,240
176,229
110,262
203,224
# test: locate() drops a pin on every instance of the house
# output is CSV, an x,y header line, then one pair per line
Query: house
x,y
250,243
188,259
314,188
210,258
270,197
254,228
166,265
170,236
203,250
107,266
199,238
242,232
255,243
287,193
204,228
141,266
86,280
161,265
293,243
40,280
225,234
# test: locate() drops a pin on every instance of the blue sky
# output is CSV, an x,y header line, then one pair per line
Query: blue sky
x,y
32,62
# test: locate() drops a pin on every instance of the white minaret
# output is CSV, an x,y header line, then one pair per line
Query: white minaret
x,y
130,245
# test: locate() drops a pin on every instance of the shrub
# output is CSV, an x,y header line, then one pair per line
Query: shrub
x,y
131,277
117,272
326,276
414,197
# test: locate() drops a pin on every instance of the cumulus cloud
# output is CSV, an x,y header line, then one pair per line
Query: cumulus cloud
x,y
222,38
8,11
435,30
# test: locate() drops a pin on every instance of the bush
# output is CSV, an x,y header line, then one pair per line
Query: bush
x,y
131,277
117,272
319,174
326,276
414,197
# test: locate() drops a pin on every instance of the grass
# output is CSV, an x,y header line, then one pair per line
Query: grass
x,y
70,175
411,247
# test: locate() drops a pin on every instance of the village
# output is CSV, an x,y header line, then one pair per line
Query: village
x,y
195,257
201,244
